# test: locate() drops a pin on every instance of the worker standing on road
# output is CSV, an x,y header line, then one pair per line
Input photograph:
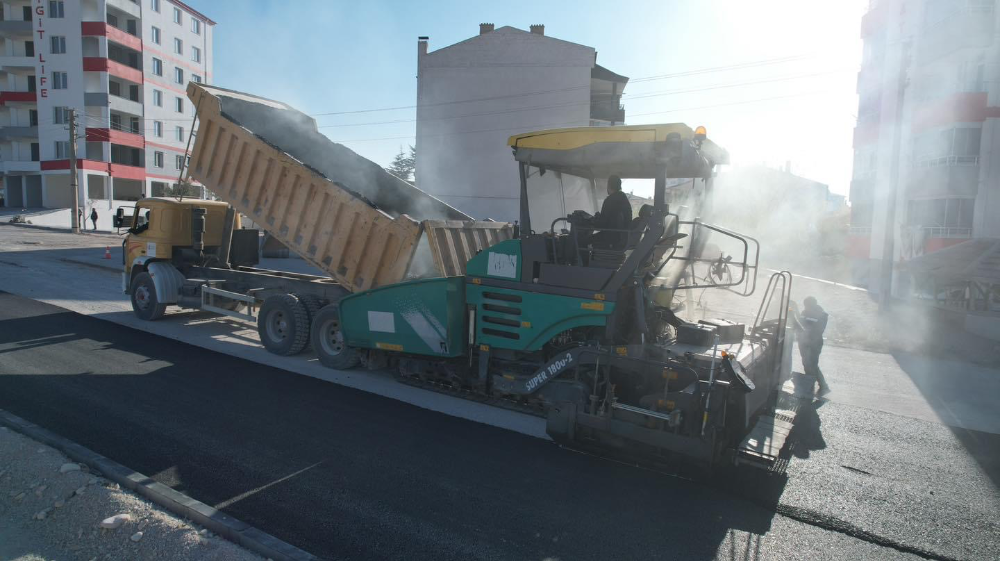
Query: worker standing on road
x,y
93,217
809,327
616,214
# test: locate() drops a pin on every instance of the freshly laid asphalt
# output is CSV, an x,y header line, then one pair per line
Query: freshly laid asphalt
x,y
347,474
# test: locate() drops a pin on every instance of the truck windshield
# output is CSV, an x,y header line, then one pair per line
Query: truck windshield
x,y
141,220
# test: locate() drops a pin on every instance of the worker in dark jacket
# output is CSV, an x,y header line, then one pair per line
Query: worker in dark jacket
x,y
616,214
809,327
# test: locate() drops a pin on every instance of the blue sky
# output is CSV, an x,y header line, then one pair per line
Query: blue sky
x,y
333,56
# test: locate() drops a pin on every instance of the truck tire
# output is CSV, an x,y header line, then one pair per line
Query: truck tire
x,y
283,325
328,340
313,304
144,301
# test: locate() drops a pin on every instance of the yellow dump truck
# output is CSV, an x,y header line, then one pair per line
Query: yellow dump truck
x,y
340,212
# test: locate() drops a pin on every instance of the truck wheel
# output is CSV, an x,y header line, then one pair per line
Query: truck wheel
x,y
283,325
313,304
328,340
144,301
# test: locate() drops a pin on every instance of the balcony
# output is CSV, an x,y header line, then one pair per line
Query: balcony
x,y
15,28
101,29
17,62
127,6
7,98
969,24
18,133
95,99
115,136
944,177
607,111
18,166
116,69
124,105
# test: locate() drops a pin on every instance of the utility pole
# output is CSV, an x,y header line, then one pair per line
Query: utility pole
x,y
888,239
73,182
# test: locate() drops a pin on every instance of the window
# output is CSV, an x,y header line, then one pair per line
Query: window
x,y
58,45
154,35
178,46
158,159
196,53
60,115
178,75
155,5
158,98
157,66
196,78
57,9
62,149
158,128
59,81
940,213
112,20
180,133
196,26
35,155
177,16
32,117
178,161
29,48
179,104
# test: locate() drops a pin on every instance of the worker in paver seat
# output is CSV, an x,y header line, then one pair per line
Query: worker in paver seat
x,y
616,214
809,327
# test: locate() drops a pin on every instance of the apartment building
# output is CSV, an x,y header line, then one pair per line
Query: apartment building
x,y
936,65
123,65
473,95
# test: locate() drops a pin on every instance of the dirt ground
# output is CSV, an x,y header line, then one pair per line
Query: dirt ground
x,y
51,508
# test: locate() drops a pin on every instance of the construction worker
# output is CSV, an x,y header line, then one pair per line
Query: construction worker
x,y
809,327
615,215
93,217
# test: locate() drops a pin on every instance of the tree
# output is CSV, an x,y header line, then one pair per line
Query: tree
x,y
403,166
180,190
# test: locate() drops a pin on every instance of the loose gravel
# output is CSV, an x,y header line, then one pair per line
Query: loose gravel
x,y
50,510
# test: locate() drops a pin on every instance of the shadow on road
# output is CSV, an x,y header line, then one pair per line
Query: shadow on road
x,y
343,473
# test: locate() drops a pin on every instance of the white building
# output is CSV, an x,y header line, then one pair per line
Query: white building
x,y
123,65
473,95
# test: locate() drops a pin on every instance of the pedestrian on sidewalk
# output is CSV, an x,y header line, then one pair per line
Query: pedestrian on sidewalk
x,y
809,328
93,217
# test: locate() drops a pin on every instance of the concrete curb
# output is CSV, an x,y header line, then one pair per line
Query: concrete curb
x,y
180,504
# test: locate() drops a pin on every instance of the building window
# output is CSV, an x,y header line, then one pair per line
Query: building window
x,y
59,81
155,5
57,9
196,26
178,161
178,46
158,98
953,146
178,75
177,16
158,159
179,104
58,45
62,149
60,115
196,78
154,35
972,76
940,213
196,53
158,128
180,133
157,66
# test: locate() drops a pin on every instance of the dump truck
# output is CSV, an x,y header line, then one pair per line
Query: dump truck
x,y
545,320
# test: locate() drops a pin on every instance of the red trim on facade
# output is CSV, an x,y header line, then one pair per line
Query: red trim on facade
x,y
101,29
18,96
165,146
865,134
115,137
934,244
114,170
116,69
958,108
859,247
190,65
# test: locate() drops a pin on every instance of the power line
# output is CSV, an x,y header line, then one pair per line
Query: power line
x,y
751,64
